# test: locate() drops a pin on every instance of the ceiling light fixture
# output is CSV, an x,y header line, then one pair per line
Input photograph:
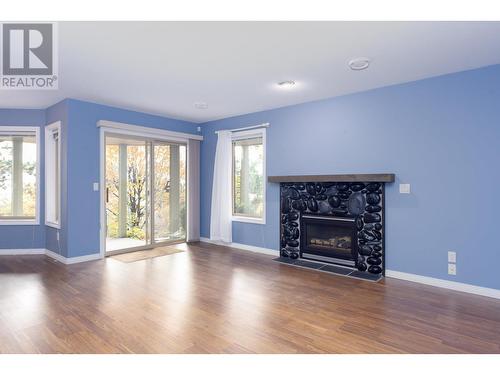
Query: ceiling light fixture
x,y
201,105
286,84
359,63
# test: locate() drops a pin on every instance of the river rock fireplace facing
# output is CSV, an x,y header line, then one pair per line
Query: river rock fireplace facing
x,y
337,219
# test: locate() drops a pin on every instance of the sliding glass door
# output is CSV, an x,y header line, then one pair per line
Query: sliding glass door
x,y
145,193
169,192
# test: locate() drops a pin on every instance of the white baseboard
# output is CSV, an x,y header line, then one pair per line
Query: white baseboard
x,y
255,249
56,256
51,254
453,285
22,251
72,260
84,258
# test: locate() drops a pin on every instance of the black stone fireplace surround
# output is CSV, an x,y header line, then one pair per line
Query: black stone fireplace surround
x,y
337,219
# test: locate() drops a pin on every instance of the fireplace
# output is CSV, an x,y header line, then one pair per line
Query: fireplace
x,y
329,239
334,219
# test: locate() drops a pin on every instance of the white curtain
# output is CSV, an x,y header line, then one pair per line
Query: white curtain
x,y
220,218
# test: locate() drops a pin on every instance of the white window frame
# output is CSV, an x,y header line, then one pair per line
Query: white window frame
x,y
49,173
24,129
253,133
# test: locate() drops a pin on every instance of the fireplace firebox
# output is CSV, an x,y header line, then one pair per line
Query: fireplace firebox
x,y
329,239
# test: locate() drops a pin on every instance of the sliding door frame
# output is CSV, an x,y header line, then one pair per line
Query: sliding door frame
x,y
108,128
152,196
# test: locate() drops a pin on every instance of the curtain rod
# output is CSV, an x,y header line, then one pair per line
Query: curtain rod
x,y
264,125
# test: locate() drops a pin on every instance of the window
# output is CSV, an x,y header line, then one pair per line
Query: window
x,y
248,182
53,175
19,167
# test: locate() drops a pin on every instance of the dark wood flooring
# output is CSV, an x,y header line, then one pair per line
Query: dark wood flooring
x,y
212,299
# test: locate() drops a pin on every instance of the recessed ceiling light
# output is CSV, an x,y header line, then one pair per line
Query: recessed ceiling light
x,y
286,84
359,63
201,105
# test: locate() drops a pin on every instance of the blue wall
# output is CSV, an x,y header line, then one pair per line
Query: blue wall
x,y
441,135
79,233
24,236
83,166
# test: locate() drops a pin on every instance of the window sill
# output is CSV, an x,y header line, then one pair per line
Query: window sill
x,y
19,222
53,225
251,220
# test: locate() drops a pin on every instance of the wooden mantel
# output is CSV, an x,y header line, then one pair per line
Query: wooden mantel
x,y
372,177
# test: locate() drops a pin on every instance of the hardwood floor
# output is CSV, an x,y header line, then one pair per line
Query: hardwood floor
x,y
212,299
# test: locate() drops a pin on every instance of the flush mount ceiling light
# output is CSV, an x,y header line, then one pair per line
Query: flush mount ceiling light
x,y
286,84
359,63
201,105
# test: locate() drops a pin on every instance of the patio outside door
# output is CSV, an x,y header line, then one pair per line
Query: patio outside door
x,y
145,193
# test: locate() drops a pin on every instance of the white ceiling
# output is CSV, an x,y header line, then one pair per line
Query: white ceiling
x,y
165,67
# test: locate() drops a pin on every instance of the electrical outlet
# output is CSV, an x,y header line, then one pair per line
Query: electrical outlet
x,y
404,189
57,236
96,186
198,128
452,269
452,257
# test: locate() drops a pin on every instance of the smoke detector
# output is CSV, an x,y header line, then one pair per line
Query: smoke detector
x,y
359,63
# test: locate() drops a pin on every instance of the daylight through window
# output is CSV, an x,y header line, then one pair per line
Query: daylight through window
x,y
248,176
18,175
53,175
